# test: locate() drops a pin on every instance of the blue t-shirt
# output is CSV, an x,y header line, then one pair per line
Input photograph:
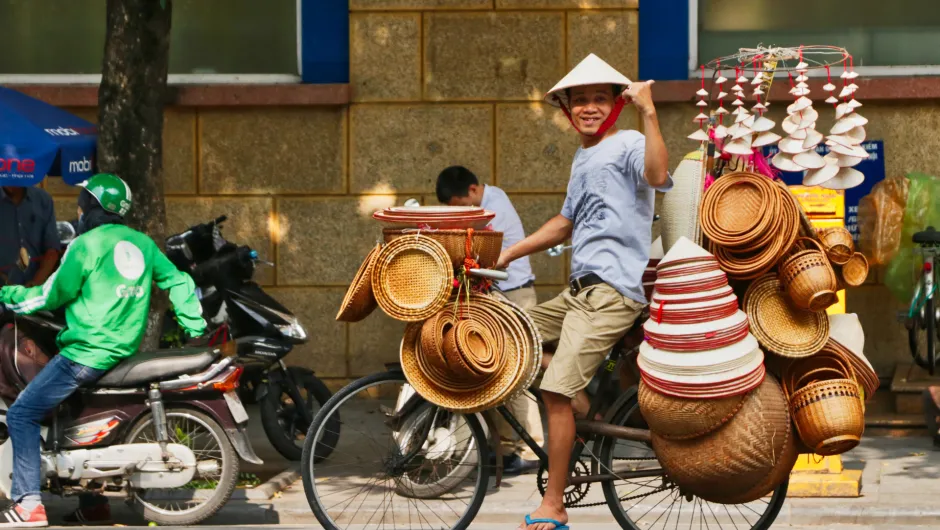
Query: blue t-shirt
x,y
507,221
611,206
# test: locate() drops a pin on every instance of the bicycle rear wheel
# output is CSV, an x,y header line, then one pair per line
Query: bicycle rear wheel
x,y
655,502
382,472
922,336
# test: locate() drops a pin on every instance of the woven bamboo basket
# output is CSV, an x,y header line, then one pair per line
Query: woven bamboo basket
x,y
829,415
777,476
855,271
838,244
680,419
359,301
809,279
731,461
781,327
518,362
486,244
738,209
412,278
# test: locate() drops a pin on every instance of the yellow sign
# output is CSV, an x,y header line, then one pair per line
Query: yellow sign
x,y
820,202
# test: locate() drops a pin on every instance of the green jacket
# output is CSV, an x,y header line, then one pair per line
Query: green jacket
x,y
105,279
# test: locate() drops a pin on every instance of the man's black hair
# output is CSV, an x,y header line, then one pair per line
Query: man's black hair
x,y
455,181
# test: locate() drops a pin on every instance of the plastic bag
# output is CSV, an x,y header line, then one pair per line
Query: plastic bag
x,y
881,219
922,210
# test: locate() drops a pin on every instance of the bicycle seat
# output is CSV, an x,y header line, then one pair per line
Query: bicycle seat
x,y
927,237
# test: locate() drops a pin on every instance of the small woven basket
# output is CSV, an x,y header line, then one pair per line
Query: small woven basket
x,y
838,243
829,416
486,244
808,278
855,271
359,301
412,278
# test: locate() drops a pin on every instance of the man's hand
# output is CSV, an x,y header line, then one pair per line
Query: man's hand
x,y
504,260
641,95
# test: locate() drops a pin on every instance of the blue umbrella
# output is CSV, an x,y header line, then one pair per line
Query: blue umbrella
x,y
38,139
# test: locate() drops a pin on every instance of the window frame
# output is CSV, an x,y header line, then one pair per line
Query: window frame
x,y
695,63
322,55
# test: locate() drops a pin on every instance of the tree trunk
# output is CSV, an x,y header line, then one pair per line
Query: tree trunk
x,y
130,118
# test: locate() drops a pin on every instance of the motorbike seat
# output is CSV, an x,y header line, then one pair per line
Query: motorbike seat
x,y
927,237
145,367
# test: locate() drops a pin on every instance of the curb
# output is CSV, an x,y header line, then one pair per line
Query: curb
x,y
269,489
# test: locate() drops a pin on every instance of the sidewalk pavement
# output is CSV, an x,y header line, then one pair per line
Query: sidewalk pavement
x,y
900,487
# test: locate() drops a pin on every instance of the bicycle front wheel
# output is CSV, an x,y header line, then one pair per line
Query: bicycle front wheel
x,y
655,502
387,467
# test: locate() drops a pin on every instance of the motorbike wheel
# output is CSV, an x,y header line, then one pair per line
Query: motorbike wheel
x,y
170,507
284,426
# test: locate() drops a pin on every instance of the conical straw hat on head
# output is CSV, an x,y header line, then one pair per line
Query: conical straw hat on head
x,y
591,71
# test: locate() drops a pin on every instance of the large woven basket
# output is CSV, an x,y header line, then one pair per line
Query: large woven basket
x,y
777,476
486,244
808,277
838,243
680,419
359,301
829,415
412,278
780,326
731,461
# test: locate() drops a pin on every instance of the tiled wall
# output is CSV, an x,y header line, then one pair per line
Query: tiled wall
x,y
435,82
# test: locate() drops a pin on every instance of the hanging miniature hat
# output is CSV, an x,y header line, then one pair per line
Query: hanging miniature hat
x,y
591,71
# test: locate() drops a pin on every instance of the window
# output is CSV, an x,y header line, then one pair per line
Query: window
x,y
209,38
897,37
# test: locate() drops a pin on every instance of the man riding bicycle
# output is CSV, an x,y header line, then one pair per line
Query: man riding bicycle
x,y
608,213
105,283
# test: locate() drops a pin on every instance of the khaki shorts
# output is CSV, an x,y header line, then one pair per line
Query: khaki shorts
x,y
586,327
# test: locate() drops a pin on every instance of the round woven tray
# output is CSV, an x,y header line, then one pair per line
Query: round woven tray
x,y
486,244
412,278
864,375
680,419
735,209
731,461
778,325
359,301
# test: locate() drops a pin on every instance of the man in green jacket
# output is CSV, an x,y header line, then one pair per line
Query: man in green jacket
x,y
104,281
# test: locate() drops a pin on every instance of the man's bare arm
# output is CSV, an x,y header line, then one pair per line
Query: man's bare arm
x,y
557,230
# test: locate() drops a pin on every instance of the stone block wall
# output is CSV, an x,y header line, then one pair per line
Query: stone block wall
x,y
434,83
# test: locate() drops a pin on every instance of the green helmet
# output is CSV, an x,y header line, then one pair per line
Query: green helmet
x,y
112,193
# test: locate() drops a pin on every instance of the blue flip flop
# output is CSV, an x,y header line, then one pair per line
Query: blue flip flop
x,y
558,525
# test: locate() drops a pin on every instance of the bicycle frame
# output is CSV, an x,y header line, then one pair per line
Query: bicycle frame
x,y
588,430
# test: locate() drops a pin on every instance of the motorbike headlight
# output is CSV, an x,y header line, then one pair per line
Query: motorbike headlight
x,y
293,329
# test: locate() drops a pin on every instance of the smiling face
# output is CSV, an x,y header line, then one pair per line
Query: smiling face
x,y
590,106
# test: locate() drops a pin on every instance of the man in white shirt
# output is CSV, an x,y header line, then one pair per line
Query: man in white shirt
x,y
458,186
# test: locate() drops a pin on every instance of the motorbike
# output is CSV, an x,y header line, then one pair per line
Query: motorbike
x,y
165,429
235,307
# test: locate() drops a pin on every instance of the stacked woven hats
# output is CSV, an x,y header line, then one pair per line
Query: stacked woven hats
x,y
720,424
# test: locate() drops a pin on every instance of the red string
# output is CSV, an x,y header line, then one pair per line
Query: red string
x,y
703,77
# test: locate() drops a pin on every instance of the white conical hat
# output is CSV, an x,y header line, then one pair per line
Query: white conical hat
x,y
846,178
684,249
591,71
846,329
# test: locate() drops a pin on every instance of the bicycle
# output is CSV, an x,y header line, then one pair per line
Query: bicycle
x,y
432,448
923,317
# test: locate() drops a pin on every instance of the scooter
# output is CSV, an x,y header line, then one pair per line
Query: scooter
x,y
235,306
156,422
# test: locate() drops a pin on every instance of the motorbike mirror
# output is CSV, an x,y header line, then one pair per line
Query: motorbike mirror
x,y
67,232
